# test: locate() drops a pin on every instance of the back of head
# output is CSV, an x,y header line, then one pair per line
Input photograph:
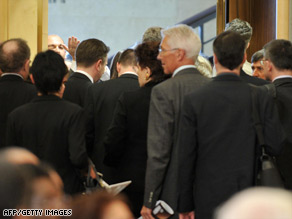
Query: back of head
x,y
279,52
152,34
48,70
241,27
257,203
127,58
229,48
90,51
257,56
183,37
146,54
204,66
13,55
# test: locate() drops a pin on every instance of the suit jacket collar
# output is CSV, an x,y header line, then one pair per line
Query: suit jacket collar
x,y
125,75
11,78
281,81
84,74
227,77
49,97
80,76
187,71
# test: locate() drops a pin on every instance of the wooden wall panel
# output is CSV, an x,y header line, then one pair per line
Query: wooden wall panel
x,y
283,20
27,19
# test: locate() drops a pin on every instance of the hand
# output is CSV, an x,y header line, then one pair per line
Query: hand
x,y
146,213
187,215
72,45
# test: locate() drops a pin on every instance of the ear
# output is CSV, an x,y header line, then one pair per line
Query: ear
x,y
118,67
26,66
31,78
98,65
181,54
244,58
215,60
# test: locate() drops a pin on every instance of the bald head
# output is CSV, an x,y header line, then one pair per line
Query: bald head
x,y
14,56
56,44
16,155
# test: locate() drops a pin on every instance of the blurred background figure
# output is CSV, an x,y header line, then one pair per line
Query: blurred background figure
x,y
113,66
152,34
257,203
126,140
100,205
256,64
13,187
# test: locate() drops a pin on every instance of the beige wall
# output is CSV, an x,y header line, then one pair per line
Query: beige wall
x,y
27,19
119,23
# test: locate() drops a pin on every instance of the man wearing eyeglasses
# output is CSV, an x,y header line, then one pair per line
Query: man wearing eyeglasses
x,y
178,52
277,63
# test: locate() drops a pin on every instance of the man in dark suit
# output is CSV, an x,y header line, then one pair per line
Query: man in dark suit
x,y
277,64
217,140
91,57
100,104
245,30
52,128
179,50
14,91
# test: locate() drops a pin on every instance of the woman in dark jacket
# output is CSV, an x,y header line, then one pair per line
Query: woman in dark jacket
x,y
126,140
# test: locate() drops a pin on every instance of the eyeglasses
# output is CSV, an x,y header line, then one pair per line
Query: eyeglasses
x,y
262,61
54,46
165,50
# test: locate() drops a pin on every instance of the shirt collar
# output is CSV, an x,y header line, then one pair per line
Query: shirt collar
x,y
129,72
181,68
86,74
4,74
282,76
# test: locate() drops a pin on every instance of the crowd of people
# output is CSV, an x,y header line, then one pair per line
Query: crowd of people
x,y
160,114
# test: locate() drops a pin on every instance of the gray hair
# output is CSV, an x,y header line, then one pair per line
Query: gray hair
x,y
152,34
241,27
257,56
183,37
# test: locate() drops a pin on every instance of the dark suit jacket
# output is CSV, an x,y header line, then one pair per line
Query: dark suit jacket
x,y
252,80
162,164
54,130
217,143
76,88
14,92
125,142
284,104
100,104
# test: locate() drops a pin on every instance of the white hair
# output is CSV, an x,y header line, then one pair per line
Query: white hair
x,y
258,203
183,37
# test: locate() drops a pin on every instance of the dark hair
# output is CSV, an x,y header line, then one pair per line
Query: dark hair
x,y
48,70
127,58
241,27
12,60
90,51
146,54
279,52
229,47
113,70
257,56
